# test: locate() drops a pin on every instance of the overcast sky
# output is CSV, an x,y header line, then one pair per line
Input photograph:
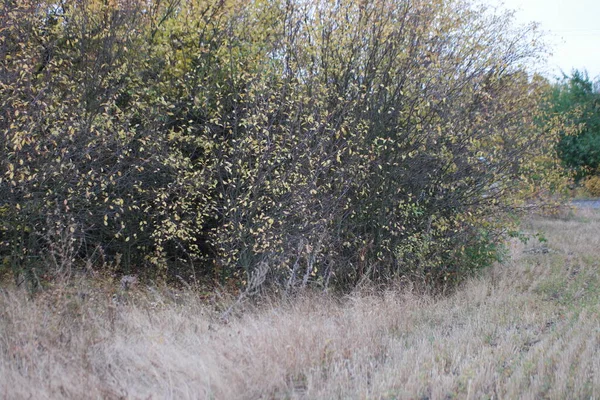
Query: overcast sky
x,y
573,27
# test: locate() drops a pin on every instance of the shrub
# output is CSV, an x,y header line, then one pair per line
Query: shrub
x,y
316,143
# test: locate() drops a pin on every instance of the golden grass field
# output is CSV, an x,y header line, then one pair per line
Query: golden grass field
x,y
527,329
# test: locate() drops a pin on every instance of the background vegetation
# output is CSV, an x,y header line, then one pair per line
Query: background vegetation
x,y
254,143
577,98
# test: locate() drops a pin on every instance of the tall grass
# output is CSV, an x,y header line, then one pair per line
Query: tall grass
x,y
529,328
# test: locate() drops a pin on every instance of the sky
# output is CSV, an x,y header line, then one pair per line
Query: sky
x,y
572,27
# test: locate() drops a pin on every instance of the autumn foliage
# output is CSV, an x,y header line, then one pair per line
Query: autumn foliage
x,y
286,143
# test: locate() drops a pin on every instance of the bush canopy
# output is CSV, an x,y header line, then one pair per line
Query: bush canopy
x,y
283,142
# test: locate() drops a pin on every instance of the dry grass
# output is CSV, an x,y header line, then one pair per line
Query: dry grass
x,y
529,329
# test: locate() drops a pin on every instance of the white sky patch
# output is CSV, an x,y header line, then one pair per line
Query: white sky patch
x,y
573,30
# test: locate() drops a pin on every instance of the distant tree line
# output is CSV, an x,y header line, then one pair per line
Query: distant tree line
x,y
577,98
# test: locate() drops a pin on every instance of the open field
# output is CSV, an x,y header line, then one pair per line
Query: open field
x,y
529,328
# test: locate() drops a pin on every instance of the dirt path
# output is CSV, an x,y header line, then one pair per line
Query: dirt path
x,y
595,204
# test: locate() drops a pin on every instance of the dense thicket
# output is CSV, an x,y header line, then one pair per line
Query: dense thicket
x,y
578,99
290,142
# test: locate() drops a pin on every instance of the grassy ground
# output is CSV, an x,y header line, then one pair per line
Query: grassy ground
x,y
528,329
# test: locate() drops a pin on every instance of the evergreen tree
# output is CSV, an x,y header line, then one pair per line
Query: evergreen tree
x,y
577,97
